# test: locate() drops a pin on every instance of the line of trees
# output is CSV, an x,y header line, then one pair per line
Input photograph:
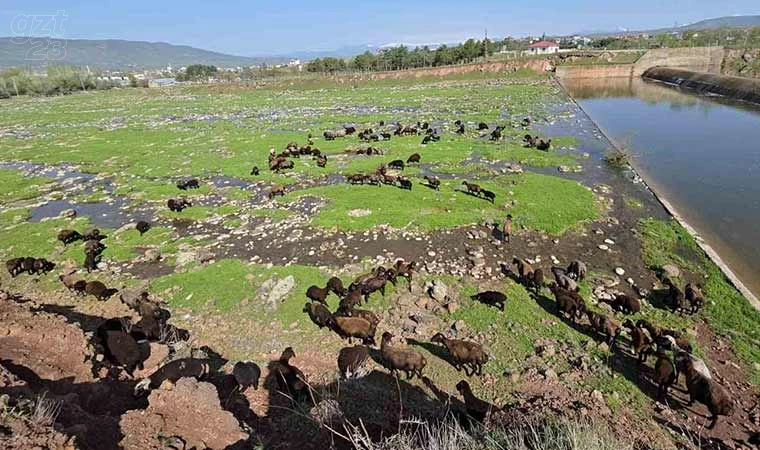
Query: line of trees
x,y
725,37
58,80
197,72
396,58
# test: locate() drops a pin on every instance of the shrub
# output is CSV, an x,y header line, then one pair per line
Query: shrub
x,y
618,158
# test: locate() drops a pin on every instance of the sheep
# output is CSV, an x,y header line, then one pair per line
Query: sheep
x,y
246,374
464,353
69,236
460,129
543,144
472,188
405,269
476,408
289,378
405,183
665,374
529,141
284,165
433,181
351,361
335,285
414,158
694,296
396,164
184,185
563,280
658,336
430,138
641,343
99,290
704,390
319,314
489,195
143,227
482,126
121,349
14,266
79,288
177,204
536,281
27,265
369,316
69,280
403,359
322,161
566,303
506,231
354,328
606,326
173,371
496,133
625,304
94,235
576,270
524,270
317,294
90,262
277,189
43,266
255,171
675,298
94,247
351,300
374,284
491,298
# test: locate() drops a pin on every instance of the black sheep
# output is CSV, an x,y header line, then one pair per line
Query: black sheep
x,y
143,227
482,126
414,158
69,236
99,290
94,247
173,372
90,262
492,298
496,133
476,408
433,181
626,304
255,171
289,378
351,360
319,314
460,129
396,164
405,183
490,196
704,390
94,235
43,266
665,374
246,374
27,265
177,204
122,350
14,266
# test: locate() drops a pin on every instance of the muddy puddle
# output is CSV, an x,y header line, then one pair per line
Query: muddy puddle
x,y
101,214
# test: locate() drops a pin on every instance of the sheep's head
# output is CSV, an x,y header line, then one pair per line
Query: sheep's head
x,y
387,336
463,387
438,337
287,354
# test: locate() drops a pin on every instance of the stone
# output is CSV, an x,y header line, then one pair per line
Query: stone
x,y
609,241
439,291
603,247
68,213
550,374
280,290
512,375
619,271
452,307
459,325
158,354
421,302
597,396
671,271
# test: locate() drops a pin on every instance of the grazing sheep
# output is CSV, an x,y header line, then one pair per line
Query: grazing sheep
x,y
69,280
27,265
69,236
405,183
496,133
94,235
675,298
351,361
255,171
405,269
704,390
94,247
491,298
641,342
665,374
396,164
14,266
488,195
192,183
373,285
277,189
354,328
606,326
406,360
414,158
506,231
543,144
476,408
322,161
563,280
319,314
529,140
177,204
434,182
625,304
317,294
90,262
472,188
43,266
99,290
173,371
694,296
79,288
576,270
121,349
460,129
567,304
369,316
482,126
659,336
536,281
464,353
524,270
335,285
351,300
143,227
246,374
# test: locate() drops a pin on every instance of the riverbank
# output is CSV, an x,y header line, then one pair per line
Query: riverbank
x,y
671,209
736,88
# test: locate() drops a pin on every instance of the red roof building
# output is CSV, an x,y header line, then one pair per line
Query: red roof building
x,y
543,47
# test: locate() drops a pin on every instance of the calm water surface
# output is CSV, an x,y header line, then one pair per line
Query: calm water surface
x,y
703,154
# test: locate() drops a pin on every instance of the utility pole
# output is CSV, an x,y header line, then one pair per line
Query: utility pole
x,y
485,46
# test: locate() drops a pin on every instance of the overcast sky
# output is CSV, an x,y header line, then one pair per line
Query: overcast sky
x,y
256,27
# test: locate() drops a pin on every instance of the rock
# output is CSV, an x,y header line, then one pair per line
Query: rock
x,y
459,326
550,374
68,213
190,411
545,350
158,354
671,271
421,303
603,347
439,291
609,241
597,396
452,307
276,291
603,247
619,271
431,253
630,281
563,169
512,375
152,255
359,212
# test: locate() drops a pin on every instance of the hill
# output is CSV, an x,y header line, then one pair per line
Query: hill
x,y
707,24
121,54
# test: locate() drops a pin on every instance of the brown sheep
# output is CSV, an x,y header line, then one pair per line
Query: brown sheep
x,y
472,188
277,189
641,342
536,281
173,371
433,181
704,390
524,270
94,235
491,298
94,247
317,294
354,327
143,227
657,334
319,314
69,236
406,360
351,300
14,266
99,290
351,361
369,316
567,303
335,285
246,374
664,374
405,269
177,204
577,270
289,378
414,158
625,304
476,408
69,280
464,353
90,262
563,280
606,326
694,296
675,298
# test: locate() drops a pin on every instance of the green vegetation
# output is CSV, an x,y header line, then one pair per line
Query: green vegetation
x,y
15,186
59,80
728,312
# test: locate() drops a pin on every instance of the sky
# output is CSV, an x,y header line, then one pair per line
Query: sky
x,y
264,27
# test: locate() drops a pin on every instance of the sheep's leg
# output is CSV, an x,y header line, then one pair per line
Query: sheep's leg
x,y
713,422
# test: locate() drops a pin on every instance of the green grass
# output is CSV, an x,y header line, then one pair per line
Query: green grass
x,y
727,311
15,186
541,202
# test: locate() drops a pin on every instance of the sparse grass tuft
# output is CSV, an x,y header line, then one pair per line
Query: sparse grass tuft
x,y
618,158
45,411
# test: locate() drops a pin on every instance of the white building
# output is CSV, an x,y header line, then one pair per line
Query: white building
x,y
543,48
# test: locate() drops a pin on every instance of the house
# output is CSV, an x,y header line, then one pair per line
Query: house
x,y
543,48
162,82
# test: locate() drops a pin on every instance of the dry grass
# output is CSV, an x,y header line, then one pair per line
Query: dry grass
x,y
45,411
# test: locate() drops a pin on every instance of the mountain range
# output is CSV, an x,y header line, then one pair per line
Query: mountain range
x,y
708,24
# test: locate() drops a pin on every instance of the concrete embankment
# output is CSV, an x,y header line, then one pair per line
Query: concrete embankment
x,y
744,89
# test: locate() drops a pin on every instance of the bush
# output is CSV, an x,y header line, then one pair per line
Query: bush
x,y
618,158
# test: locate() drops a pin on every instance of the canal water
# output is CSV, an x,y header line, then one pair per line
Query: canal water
x,y
701,153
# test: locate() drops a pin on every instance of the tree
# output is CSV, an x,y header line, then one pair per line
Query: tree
x,y
198,72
